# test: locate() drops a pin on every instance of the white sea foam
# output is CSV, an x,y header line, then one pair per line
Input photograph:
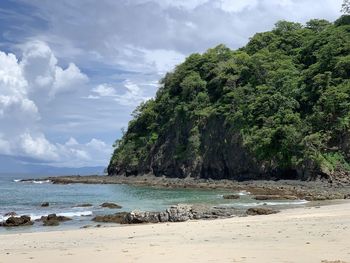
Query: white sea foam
x,y
38,216
298,202
41,182
17,180
244,193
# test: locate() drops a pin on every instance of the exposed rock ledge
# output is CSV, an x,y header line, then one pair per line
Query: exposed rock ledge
x,y
177,213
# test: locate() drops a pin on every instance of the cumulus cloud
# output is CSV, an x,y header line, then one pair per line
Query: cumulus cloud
x,y
23,85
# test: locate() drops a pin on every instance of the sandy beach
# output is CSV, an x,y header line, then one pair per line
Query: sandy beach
x,y
318,234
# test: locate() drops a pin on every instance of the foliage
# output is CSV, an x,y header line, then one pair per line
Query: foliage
x,y
286,93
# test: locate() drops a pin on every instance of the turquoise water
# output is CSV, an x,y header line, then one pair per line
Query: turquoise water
x,y
25,198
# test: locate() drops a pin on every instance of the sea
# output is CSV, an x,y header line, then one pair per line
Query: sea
x,y
25,198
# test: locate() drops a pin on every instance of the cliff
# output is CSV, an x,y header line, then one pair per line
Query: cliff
x,y
277,108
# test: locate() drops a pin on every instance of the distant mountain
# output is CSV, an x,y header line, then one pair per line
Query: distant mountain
x,y
20,165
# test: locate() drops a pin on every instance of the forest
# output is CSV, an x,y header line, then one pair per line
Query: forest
x,y
278,107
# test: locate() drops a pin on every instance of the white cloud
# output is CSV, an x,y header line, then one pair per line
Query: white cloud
x,y
104,90
133,95
23,86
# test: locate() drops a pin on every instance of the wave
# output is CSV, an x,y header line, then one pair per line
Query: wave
x,y
32,181
298,202
38,216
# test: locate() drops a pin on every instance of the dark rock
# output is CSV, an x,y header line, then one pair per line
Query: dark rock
x,y
53,220
115,218
111,205
46,204
275,197
18,221
10,214
232,196
261,211
83,205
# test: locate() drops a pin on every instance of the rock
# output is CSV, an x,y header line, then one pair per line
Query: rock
x,y
179,213
83,205
46,204
111,205
10,214
232,196
18,221
275,197
53,220
261,211
115,218
139,217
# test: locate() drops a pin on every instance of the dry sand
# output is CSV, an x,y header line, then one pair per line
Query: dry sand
x,y
295,235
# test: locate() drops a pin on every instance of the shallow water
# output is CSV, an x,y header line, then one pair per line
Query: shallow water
x,y
25,198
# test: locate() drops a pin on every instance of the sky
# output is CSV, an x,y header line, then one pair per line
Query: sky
x,y
72,71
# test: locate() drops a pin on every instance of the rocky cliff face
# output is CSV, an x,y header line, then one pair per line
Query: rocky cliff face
x,y
278,108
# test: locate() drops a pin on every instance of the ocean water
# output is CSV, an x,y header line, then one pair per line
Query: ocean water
x,y
25,198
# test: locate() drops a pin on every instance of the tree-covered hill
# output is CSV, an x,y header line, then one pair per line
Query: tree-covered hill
x,y
277,108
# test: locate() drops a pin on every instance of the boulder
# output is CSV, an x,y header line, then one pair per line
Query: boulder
x,y
111,205
115,218
139,217
46,204
261,211
53,220
18,221
180,213
231,196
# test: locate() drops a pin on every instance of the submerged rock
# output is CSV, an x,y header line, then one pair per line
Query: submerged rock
x,y
261,211
10,214
46,204
111,205
83,205
275,197
18,221
231,196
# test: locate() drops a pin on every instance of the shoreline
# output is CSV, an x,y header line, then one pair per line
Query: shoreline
x,y
308,190
309,234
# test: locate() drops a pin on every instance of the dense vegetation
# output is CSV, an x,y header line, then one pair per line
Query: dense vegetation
x,y
278,107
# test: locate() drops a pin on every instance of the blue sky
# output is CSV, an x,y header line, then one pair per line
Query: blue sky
x,y
72,71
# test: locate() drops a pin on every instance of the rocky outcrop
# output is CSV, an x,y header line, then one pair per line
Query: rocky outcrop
x,y
111,205
232,196
256,211
53,220
275,197
46,204
17,221
178,213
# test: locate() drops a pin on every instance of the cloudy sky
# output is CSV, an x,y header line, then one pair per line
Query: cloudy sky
x,y
72,71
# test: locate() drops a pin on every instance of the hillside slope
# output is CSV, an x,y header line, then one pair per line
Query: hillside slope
x,y
277,108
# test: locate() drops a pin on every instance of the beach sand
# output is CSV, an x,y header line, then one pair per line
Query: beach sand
x,y
320,234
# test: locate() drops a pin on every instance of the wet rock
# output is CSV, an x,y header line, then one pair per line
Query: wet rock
x,y
231,196
10,214
53,220
118,218
111,205
275,197
261,211
83,205
46,204
18,221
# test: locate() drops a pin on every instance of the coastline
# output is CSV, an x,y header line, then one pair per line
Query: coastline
x,y
309,190
309,234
